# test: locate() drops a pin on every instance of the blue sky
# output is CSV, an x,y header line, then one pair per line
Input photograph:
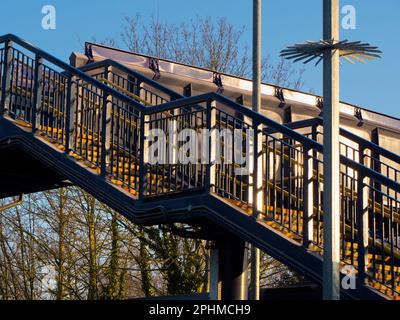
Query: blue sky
x,y
374,86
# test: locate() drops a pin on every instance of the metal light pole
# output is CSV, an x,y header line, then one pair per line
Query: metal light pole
x,y
255,252
330,49
331,115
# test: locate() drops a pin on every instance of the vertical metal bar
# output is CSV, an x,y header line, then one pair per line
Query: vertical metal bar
x,y
383,234
6,81
282,179
69,114
19,94
143,154
104,137
257,186
362,220
331,275
274,186
391,237
373,223
255,170
308,196
37,93
352,217
106,126
211,121
343,214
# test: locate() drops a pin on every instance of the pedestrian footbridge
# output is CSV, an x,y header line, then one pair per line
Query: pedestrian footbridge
x,y
88,125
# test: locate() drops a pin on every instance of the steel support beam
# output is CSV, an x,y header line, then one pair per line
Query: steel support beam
x,y
331,274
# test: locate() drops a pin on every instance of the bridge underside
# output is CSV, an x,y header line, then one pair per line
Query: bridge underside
x,y
20,173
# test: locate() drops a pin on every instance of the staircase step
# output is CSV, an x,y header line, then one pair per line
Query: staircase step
x,y
385,290
388,277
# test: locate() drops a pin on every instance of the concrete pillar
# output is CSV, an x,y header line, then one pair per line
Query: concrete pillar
x,y
331,274
214,278
232,259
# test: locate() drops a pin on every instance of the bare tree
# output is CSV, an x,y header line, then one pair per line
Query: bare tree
x,y
204,42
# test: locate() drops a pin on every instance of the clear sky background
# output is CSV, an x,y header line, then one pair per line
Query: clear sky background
x,y
375,85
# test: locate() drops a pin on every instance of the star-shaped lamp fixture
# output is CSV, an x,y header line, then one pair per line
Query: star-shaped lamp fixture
x,y
349,51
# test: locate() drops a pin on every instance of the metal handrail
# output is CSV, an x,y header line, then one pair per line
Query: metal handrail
x,y
259,118
294,125
133,73
70,70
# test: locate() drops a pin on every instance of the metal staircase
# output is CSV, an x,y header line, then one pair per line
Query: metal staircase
x,y
88,127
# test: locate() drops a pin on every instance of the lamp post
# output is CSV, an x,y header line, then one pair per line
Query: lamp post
x,y
255,252
331,115
330,49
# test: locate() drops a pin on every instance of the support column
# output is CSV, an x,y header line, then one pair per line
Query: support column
x,y
232,258
331,275
214,278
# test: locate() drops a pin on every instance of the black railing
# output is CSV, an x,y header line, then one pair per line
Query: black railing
x,y
272,171
131,83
